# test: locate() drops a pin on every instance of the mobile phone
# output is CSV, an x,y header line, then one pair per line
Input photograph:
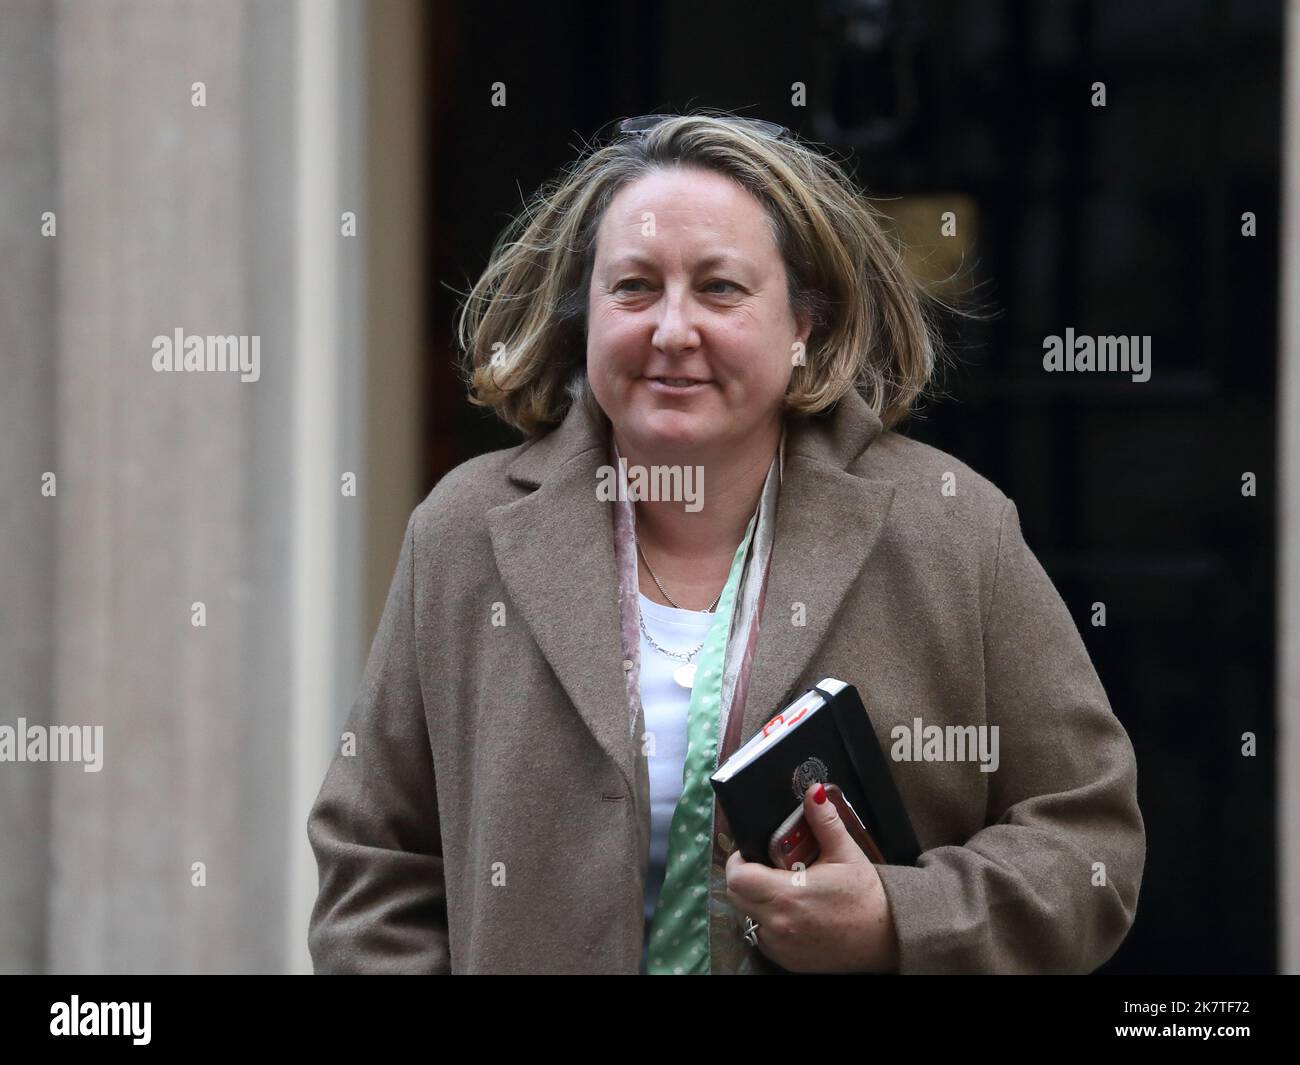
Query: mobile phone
x,y
794,842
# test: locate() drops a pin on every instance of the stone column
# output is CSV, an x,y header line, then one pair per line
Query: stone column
x,y
27,451
197,159
196,174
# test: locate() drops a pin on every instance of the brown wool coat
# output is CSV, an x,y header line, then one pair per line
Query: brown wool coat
x,y
495,816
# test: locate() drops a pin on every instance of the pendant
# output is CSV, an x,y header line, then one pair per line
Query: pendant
x,y
685,675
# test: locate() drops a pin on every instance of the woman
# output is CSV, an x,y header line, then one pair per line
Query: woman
x,y
708,305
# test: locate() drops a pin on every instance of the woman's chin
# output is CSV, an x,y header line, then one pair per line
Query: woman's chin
x,y
670,430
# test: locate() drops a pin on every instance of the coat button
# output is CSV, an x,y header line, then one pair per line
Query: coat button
x,y
725,842
627,665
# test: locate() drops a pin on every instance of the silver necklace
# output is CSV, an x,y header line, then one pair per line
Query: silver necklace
x,y
683,675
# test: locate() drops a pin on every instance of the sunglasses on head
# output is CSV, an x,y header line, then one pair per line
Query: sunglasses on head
x,y
631,127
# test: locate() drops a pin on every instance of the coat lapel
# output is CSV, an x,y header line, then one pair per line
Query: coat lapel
x,y
828,521
554,549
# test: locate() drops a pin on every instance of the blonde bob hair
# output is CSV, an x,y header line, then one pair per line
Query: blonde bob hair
x,y
522,328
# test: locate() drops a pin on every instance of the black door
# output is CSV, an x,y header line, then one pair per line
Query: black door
x,y
1117,220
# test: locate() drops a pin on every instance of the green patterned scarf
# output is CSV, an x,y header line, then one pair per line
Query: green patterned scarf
x,y
679,930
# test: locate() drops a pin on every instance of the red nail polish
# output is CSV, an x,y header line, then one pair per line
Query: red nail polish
x,y
819,796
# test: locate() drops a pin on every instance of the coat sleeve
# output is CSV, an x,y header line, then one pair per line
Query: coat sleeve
x,y
1050,884
381,906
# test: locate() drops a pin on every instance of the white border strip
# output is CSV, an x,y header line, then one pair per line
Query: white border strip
x,y
316,368
1288,528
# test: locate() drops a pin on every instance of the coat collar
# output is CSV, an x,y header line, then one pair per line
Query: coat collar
x,y
554,549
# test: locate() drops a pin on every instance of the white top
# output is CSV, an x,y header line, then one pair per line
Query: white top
x,y
665,703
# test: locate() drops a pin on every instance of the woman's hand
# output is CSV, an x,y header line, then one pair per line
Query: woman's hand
x,y
832,917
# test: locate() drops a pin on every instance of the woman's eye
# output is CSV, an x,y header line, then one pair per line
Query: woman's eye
x,y
626,285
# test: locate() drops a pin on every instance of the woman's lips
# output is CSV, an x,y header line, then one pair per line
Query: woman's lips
x,y
663,388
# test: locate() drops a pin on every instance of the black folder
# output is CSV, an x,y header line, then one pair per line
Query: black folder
x,y
824,735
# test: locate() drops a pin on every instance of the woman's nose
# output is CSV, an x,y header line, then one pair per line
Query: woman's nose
x,y
676,327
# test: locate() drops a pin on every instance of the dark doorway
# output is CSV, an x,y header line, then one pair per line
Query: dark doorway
x,y
1123,219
